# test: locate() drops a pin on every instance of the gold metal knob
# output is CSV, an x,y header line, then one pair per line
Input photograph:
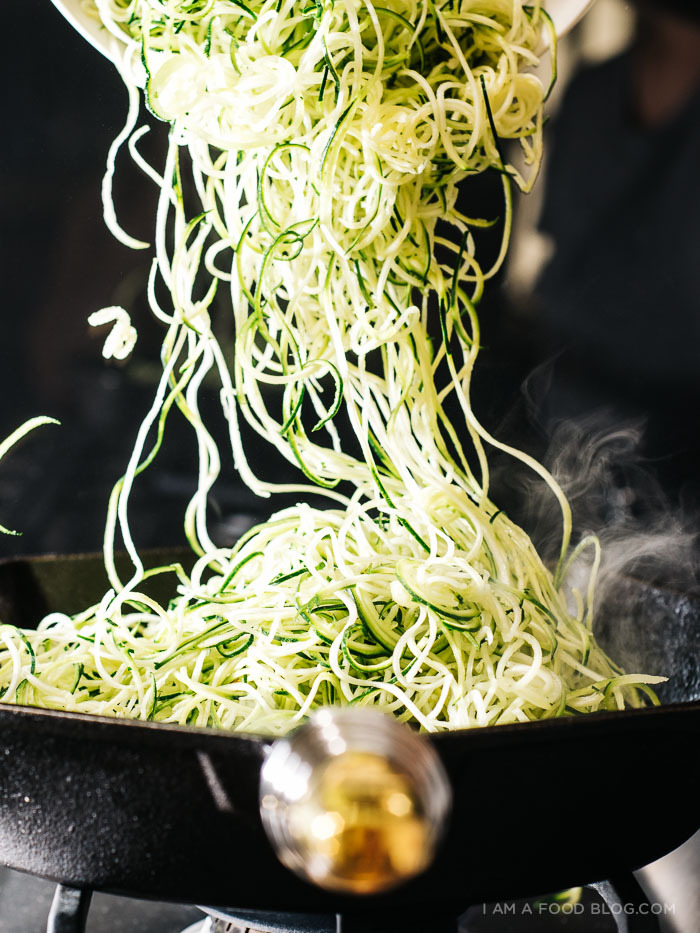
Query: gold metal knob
x,y
354,801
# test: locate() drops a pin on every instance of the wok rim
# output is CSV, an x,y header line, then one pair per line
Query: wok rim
x,y
195,734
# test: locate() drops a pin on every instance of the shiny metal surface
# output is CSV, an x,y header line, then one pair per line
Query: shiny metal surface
x,y
354,801
675,879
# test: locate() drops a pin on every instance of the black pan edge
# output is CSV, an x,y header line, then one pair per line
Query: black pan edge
x,y
139,731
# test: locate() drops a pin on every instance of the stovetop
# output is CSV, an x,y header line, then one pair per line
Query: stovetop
x,y
665,898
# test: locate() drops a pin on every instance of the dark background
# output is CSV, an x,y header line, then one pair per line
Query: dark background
x,y
64,104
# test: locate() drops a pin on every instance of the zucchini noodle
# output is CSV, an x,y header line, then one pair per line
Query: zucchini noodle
x,y
324,144
15,438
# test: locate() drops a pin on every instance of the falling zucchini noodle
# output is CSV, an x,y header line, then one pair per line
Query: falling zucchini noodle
x,y
14,438
325,145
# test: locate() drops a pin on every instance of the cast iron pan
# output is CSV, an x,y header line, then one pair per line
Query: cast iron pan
x,y
171,813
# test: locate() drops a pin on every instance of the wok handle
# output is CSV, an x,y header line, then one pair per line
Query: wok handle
x,y
69,910
354,801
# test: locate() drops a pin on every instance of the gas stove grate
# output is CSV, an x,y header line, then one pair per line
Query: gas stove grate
x,y
619,907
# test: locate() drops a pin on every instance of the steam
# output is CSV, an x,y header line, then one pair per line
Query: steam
x,y
647,604
615,495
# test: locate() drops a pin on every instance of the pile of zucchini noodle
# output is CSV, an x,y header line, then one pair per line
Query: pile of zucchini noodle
x,y
325,141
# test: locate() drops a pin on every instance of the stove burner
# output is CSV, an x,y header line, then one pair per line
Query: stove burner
x,y
241,921
263,923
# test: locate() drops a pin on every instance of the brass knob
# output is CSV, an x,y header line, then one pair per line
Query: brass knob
x,y
354,801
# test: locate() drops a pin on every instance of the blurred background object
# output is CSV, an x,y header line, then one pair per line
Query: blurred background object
x,y
619,300
601,300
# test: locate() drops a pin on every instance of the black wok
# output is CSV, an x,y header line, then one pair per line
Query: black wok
x,y
172,813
